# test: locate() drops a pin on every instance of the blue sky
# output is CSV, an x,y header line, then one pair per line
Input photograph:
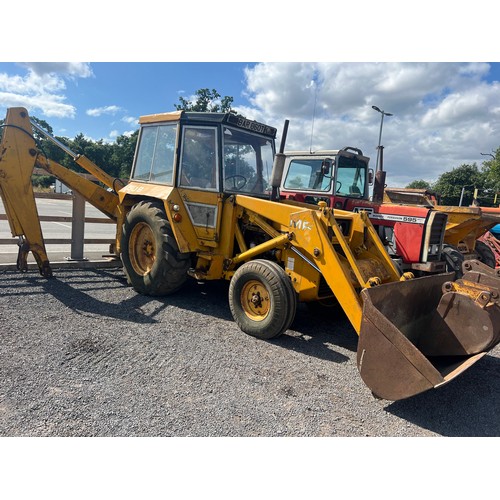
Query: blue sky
x,y
117,92
444,114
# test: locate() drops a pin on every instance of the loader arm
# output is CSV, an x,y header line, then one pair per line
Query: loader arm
x,y
348,262
18,157
414,333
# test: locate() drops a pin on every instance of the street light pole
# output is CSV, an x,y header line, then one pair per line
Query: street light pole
x,y
383,113
379,184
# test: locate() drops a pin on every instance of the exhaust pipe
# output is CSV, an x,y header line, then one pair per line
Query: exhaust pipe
x,y
279,165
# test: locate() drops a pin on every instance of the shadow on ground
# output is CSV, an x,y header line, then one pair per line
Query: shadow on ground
x,y
314,332
465,407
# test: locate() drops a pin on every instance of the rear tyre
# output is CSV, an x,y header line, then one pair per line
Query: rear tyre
x,y
149,252
485,253
262,299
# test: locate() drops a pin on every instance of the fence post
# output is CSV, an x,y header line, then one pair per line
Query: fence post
x,y
77,227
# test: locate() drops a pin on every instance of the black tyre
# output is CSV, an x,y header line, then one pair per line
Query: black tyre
x,y
262,299
485,253
454,259
149,252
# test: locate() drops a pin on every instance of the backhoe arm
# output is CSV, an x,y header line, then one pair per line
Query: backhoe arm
x,y
82,161
18,157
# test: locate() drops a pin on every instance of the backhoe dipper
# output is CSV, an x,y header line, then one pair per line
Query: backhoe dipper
x,y
201,203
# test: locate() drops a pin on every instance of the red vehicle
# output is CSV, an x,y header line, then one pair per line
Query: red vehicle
x,y
412,235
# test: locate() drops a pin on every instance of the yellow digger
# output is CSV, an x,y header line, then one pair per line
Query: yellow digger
x,y
203,201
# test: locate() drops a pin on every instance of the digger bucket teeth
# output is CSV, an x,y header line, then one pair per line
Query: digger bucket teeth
x,y
419,334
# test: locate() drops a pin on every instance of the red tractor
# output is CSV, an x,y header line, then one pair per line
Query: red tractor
x,y
412,235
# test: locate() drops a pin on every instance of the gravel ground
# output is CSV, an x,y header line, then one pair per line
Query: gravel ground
x,y
82,354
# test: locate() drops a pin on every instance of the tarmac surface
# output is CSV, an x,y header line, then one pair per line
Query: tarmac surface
x,y
60,230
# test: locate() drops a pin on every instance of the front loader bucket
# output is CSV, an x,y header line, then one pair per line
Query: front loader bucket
x,y
419,334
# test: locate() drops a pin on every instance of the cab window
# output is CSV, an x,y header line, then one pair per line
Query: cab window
x,y
198,166
247,162
306,175
155,154
350,178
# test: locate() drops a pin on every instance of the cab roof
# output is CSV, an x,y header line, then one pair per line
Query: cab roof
x,y
232,119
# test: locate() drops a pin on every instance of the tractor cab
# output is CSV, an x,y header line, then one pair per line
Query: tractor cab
x,y
213,152
334,177
200,159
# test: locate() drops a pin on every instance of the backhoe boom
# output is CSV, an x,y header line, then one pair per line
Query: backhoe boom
x,y
18,157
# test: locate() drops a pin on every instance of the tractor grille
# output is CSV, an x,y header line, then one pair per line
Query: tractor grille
x,y
435,235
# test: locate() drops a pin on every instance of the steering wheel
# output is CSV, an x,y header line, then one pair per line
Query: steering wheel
x,y
238,181
340,185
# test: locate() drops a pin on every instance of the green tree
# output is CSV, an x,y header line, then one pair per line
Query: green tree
x,y
206,101
419,184
450,184
491,170
122,155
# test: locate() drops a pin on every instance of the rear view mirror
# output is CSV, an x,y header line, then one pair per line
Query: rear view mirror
x,y
327,166
370,176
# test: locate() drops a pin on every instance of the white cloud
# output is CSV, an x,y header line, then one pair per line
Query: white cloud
x,y
131,120
444,114
73,69
470,104
104,110
50,105
42,87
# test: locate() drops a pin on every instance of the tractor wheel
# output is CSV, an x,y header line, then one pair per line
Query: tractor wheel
x,y
454,259
262,299
485,253
150,255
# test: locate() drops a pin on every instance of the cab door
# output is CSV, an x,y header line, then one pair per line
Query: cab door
x,y
199,182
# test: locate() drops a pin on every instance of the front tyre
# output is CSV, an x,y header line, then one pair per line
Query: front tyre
x,y
149,252
485,254
262,299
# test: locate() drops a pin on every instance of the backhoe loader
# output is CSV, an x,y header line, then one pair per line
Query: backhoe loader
x,y
202,201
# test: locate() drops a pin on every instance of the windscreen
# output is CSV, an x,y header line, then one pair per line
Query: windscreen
x,y
350,177
247,161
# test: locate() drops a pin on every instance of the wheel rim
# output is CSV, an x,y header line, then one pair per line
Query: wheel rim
x,y
255,300
142,248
